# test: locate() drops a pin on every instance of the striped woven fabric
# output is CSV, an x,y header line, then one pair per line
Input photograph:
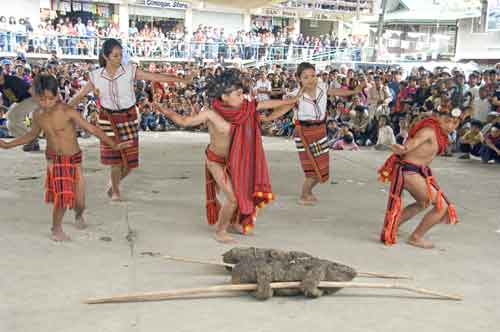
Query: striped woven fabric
x,y
247,161
62,177
123,126
314,153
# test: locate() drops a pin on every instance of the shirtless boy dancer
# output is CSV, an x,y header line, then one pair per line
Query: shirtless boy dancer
x,y
408,168
65,186
224,139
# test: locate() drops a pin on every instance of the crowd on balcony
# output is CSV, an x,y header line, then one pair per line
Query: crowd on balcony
x,y
75,37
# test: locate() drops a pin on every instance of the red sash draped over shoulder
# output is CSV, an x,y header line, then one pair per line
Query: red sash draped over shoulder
x,y
247,161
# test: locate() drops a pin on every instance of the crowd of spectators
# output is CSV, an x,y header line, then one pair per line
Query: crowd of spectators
x,y
68,36
381,115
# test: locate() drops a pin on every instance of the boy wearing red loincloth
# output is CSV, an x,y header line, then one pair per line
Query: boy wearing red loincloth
x,y
65,186
235,159
408,168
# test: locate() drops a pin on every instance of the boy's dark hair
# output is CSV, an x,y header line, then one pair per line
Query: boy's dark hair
x,y
45,82
229,81
347,139
497,125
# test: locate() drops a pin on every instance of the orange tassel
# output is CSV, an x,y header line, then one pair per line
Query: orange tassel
x,y
429,180
452,214
392,221
439,200
213,212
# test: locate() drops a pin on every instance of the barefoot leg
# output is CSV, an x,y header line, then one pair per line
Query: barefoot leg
x,y
307,197
80,203
118,173
230,204
57,231
417,186
224,237
410,211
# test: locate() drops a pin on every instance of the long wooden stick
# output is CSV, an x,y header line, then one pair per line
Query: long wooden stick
x,y
177,293
197,261
360,274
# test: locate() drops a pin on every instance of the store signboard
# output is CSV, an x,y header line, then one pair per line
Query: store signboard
x,y
493,17
277,12
167,4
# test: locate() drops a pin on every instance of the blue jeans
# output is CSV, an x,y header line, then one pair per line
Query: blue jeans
x,y
148,122
488,154
4,133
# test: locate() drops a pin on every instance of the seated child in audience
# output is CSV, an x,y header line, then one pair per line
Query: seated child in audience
x,y
385,134
472,140
490,151
346,143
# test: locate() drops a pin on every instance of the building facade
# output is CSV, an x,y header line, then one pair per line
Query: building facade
x,y
311,17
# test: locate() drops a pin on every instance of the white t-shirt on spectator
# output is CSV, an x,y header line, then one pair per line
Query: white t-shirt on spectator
x,y
386,136
481,109
335,84
473,90
262,85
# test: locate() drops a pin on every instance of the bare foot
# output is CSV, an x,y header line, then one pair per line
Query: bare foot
x,y
420,243
312,198
306,201
80,223
235,229
223,237
115,197
59,236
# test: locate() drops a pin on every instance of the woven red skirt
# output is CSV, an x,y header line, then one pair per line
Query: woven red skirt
x,y
63,174
122,127
314,153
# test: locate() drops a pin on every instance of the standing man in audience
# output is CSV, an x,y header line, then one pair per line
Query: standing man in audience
x,y
263,88
481,105
17,98
379,98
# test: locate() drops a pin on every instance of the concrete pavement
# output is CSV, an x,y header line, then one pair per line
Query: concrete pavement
x,y
42,283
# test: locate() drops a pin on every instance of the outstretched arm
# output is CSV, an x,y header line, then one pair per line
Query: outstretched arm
x,y
26,138
282,110
164,78
422,136
278,103
184,121
81,94
334,92
96,131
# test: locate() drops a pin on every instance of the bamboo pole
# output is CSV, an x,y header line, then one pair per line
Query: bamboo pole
x,y
227,265
179,293
197,261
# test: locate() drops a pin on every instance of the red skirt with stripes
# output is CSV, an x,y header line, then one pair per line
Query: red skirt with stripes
x,y
122,127
314,153
63,174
